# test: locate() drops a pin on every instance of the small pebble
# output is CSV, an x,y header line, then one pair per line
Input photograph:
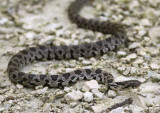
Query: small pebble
x,y
131,56
121,53
46,40
134,45
133,70
73,96
112,94
88,96
92,84
3,21
19,86
73,104
127,71
154,32
118,110
154,66
138,61
97,93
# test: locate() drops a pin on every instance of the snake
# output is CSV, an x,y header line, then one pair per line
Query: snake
x,y
67,52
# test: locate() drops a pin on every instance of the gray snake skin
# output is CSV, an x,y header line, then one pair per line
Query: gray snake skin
x,y
49,52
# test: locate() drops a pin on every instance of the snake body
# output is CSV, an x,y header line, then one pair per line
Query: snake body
x,y
49,52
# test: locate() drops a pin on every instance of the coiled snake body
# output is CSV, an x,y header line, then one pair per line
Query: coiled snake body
x,y
72,52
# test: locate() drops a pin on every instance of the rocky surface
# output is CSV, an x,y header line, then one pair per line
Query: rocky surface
x,y
34,22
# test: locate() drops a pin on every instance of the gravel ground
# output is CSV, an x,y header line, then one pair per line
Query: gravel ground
x,y
38,22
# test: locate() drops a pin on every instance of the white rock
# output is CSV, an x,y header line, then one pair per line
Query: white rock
x,y
121,68
73,104
112,94
145,22
86,111
141,32
34,103
121,53
1,98
2,108
155,76
67,89
126,72
154,66
3,21
97,93
131,56
73,96
118,110
154,32
92,84
98,108
30,35
19,86
138,61
46,40
40,91
22,40
88,96
137,109
134,45
133,70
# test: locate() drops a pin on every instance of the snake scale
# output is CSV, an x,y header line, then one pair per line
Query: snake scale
x,y
49,52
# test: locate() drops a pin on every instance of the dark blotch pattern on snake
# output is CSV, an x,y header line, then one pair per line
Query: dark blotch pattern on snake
x,y
72,52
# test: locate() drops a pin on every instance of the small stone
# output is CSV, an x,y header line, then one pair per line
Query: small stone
x,y
73,96
146,38
86,111
88,96
99,108
73,104
30,35
126,72
118,110
59,94
1,98
145,22
154,76
141,33
67,89
112,94
131,56
154,66
134,45
19,86
46,40
3,21
121,53
97,93
133,70
138,61
121,69
1,109
35,103
92,84
154,32
40,91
